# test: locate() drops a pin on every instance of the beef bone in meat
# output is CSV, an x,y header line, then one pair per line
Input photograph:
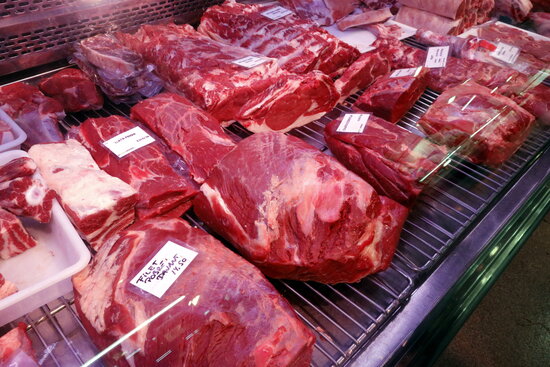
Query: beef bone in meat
x,y
14,238
491,127
396,162
324,12
98,204
16,348
364,18
73,89
161,189
27,196
297,213
18,167
223,311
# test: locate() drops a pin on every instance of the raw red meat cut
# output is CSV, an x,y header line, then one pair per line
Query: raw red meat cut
x,y
362,73
27,197
384,31
14,238
298,45
324,12
35,113
161,190
16,349
391,97
228,313
418,18
364,18
542,22
6,134
518,10
262,97
98,204
446,8
118,71
496,125
7,288
297,213
396,162
541,5
73,89
17,167
192,133
379,4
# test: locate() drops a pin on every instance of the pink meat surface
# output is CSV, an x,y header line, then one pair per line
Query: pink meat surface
x,y
17,167
518,10
323,12
6,134
98,204
496,125
262,97
391,97
391,159
161,189
14,238
73,89
453,9
418,18
299,45
35,113
7,288
297,213
542,22
228,313
16,349
364,18
27,197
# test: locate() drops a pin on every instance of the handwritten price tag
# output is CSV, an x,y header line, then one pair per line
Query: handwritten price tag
x,y
506,53
405,72
164,269
127,142
250,61
276,13
353,123
437,57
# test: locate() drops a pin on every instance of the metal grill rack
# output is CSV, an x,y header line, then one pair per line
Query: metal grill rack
x,y
344,317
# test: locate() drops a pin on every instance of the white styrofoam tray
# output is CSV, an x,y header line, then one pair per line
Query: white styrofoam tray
x,y
19,134
42,273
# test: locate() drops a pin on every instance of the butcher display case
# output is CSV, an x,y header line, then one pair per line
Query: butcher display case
x,y
462,232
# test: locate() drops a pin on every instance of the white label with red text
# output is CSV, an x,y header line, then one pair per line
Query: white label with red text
x,y
405,72
128,141
250,61
506,53
437,57
353,123
164,269
277,12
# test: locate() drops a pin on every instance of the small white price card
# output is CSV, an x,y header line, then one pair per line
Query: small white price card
x,y
405,72
250,61
353,123
437,57
506,53
276,13
128,141
163,269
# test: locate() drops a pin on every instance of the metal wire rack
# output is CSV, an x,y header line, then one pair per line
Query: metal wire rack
x,y
344,317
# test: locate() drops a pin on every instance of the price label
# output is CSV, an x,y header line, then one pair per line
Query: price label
x,y
163,269
437,57
250,61
276,13
127,142
405,72
506,53
353,123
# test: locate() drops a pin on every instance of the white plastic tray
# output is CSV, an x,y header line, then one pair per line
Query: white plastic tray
x,y
19,134
42,273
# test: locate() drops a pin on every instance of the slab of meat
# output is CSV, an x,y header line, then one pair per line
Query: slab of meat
x,y
391,97
6,134
424,19
7,288
189,131
17,167
364,18
161,189
362,73
298,45
35,113
297,213
73,89
379,4
262,97
98,204
517,37
497,126
541,5
452,9
518,10
391,159
542,23
14,238
228,313
324,12
27,197
16,349
118,71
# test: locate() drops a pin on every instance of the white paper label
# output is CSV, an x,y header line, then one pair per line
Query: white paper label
x,y
250,61
128,141
405,72
276,13
437,57
506,53
164,268
353,123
